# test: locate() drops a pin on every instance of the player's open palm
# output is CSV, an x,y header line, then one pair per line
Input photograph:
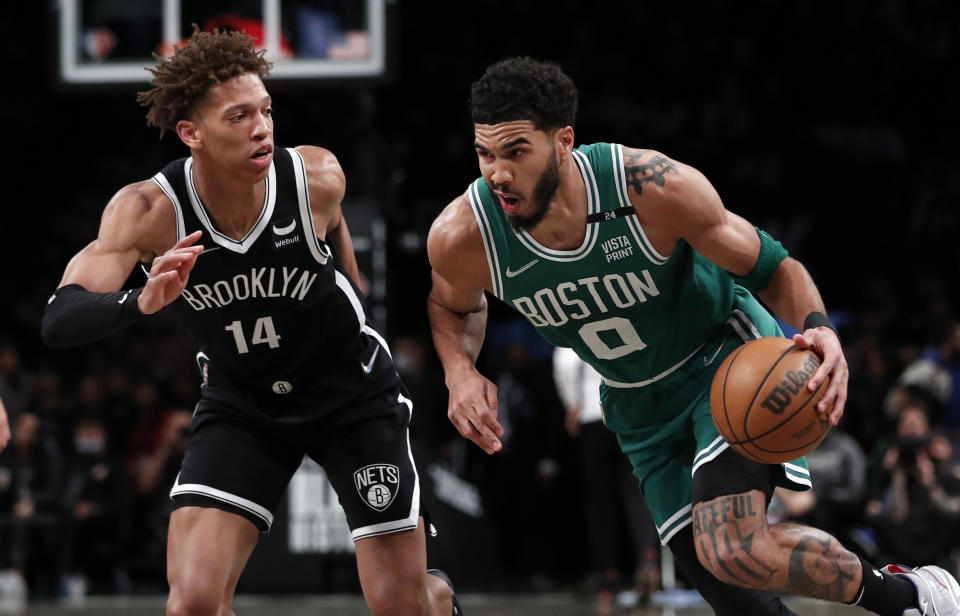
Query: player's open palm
x,y
473,410
169,274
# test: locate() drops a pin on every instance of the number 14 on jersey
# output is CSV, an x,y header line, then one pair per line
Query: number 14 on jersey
x,y
263,333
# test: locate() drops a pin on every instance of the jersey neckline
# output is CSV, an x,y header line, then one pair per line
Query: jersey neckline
x,y
266,212
590,237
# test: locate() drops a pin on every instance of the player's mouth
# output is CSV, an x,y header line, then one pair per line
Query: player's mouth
x,y
262,156
508,202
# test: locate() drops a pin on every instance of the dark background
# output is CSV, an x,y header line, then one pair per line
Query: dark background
x,y
830,124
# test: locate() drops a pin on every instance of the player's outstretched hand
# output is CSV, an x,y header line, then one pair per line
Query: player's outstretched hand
x,y
169,274
473,410
825,343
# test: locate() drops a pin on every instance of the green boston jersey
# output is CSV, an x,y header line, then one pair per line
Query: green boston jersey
x,y
632,313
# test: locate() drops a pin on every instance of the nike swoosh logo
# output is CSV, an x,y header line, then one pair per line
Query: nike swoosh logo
x,y
512,273
367,367
706,361
124,298
211,249
287,229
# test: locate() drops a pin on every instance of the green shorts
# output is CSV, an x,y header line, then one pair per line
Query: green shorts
x,y
666,429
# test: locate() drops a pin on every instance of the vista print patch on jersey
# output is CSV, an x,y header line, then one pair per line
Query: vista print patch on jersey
x,y
377,484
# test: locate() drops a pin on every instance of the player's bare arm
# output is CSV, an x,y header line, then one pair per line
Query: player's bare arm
x,y
457,308
138,225
327,185
4,427
675,201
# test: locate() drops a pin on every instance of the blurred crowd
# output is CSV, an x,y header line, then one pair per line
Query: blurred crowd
x,y
97,440
98,434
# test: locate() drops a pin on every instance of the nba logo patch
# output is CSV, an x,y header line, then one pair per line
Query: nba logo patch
x,y
377,484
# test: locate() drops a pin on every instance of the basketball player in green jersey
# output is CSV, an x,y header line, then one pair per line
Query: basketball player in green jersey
x,y
630,258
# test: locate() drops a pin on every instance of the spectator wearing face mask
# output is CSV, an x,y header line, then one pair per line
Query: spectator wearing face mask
x,y
30,471
936,374
95,510
916,515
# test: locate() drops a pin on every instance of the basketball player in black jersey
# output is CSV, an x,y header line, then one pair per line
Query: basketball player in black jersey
x,y
247,242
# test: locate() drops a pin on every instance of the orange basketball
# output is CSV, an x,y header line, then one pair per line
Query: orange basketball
x,y
761,403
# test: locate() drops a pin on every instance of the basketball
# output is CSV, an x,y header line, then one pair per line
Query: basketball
x,y
761,404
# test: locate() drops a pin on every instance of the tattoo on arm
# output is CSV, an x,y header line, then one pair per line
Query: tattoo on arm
x,y
639,172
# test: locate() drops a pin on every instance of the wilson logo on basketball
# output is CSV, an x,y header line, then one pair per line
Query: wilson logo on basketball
x,y
778,400
377,484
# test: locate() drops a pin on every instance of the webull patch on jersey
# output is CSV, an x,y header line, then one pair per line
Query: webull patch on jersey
x,y
285,226
377,484
282,230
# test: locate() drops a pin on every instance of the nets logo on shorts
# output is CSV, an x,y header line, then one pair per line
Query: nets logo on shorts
x,y
377,484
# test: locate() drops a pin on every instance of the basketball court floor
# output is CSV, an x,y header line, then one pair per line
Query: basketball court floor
x,y
351,605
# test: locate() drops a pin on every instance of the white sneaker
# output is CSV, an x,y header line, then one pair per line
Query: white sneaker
x,y
938,593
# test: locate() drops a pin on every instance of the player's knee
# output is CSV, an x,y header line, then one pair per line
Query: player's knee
x,y
393,598
406,604
193,599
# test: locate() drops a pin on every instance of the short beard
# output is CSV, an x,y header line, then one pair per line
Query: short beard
x,y
543,194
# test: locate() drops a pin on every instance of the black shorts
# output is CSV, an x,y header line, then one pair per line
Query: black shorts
x,y
731,473
242,464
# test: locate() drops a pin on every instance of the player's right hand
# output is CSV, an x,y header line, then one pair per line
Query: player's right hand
x,y
168,274
473,410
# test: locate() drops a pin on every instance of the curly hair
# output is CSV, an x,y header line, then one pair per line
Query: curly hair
x,y
206,60
524,89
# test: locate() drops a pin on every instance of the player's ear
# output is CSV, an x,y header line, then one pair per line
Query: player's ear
x,y
189,133
564,140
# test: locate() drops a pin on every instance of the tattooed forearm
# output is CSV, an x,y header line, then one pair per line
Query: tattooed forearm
x,y
640,171
820,567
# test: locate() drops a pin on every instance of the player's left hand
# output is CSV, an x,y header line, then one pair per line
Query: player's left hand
x,y
825,343
169,274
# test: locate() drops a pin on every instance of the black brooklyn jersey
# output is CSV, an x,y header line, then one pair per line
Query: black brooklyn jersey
x,y
276,318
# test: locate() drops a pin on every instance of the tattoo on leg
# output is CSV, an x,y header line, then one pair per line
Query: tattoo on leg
x,y
821,567
653,170
791,557
722,543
